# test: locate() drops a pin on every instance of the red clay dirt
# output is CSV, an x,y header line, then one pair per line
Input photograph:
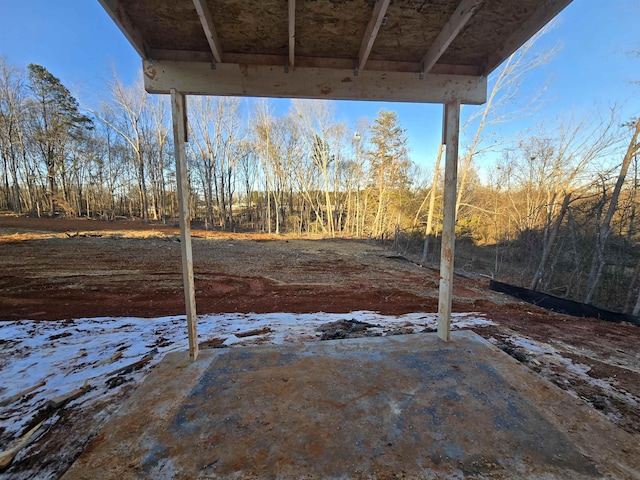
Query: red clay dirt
x,y
54,269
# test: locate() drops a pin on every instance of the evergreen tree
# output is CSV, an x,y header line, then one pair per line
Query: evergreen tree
x,y
389,163
57,120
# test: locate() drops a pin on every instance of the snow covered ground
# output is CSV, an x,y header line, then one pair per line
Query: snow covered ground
x,y
45,361
552,360
59,357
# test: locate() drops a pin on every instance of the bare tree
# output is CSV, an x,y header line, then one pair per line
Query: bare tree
x,y
126,114
502,94
321,136
604,230
266,145
354,172
216,129
432,206
12,120
157,152
248,175
548,245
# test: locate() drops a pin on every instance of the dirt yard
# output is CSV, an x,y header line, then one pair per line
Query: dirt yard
x,y
57,269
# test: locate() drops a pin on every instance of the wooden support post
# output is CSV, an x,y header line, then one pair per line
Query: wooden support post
x,y
451,126
179,116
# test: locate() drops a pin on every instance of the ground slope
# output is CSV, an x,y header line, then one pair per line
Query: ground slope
x,y
57,269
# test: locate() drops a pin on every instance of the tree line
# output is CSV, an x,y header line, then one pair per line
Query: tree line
x,y
300,172
557,211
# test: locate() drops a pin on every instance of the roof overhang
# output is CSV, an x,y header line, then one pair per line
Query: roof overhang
x,y
402,50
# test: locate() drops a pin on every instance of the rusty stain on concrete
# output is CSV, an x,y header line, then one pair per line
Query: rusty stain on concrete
x,y
407,406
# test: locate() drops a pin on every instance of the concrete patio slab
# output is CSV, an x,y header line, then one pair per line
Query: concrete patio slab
x,y
407,406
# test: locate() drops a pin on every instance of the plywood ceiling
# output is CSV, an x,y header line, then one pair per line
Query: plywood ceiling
x,y
378,45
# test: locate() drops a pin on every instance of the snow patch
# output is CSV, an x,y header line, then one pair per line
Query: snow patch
x,y
66,355
552,356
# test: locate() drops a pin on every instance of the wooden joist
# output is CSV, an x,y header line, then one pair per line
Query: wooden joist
x,y
449,32
546,10
371,32
209,29
292,33
117,11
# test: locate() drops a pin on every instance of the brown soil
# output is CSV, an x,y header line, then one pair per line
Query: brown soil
x,y
55,269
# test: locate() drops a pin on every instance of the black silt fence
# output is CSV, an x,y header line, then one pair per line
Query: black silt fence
x,y
561,305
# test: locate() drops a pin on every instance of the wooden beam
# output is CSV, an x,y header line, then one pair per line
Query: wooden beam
x,y
546,10
209,30
119,16
197,78
311,62
451,131
292,32
449,32
370,34
179,117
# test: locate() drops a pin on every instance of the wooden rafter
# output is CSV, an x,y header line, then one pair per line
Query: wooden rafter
x,y
119,16
516,21
449,32
546,11
370,34
292,32
207,24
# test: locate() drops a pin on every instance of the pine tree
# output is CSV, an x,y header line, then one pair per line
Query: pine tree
x,y
389,163
57,120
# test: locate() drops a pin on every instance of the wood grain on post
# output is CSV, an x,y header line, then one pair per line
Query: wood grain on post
x,y
179,116
447,252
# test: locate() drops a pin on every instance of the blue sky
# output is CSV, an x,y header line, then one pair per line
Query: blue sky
x,y
78,42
